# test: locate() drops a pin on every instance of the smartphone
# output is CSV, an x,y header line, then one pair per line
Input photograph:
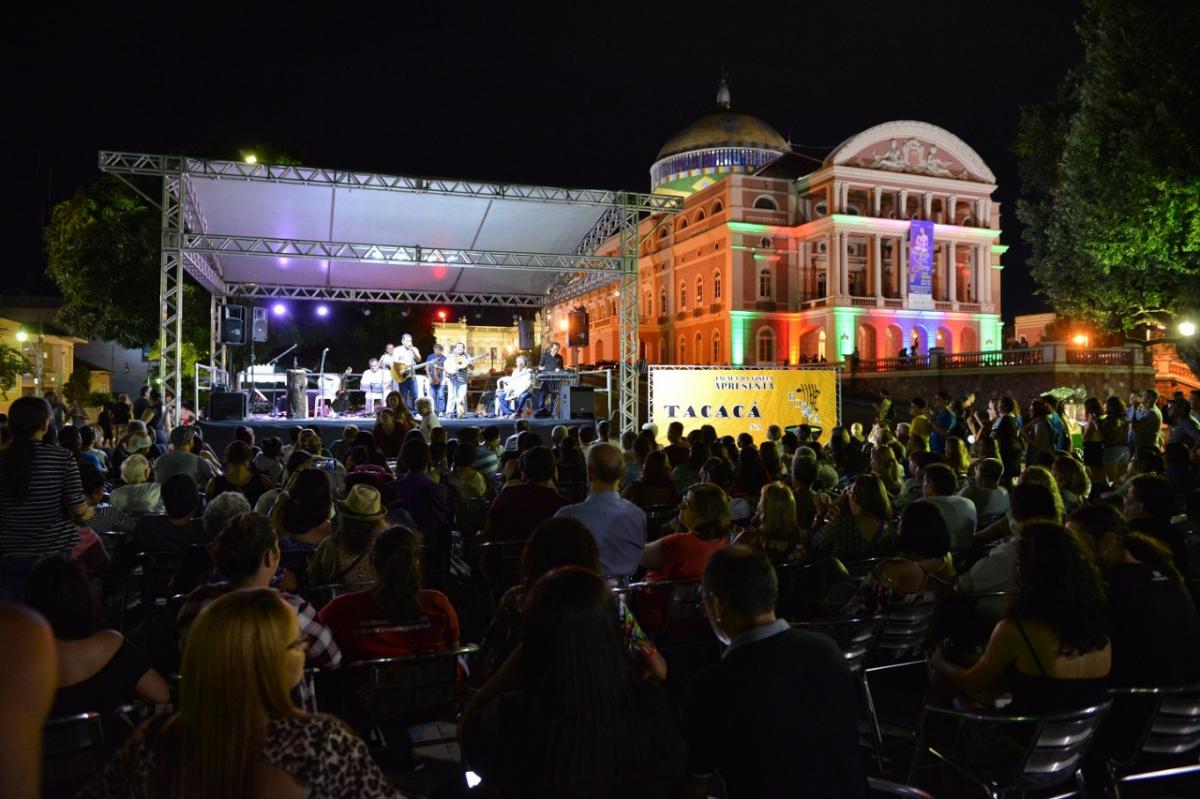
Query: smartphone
x,y
328,464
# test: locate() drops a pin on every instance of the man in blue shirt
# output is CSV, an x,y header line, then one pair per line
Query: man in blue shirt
x,y
618,525
1062,441
942,422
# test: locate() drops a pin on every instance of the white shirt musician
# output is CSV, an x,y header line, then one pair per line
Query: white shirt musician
x,y
373,382
457,369
407,356
513,391
385,363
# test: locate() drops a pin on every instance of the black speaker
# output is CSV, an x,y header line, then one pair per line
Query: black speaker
x,y
577,328
258,325
224,406
525,334
578,402
233,324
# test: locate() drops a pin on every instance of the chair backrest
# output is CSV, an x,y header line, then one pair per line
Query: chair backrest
x,y
906,628
500,565
1059,743
669,608
72,751
656,517
158,573
877,787
409,690
573,492
1171,719
855,637
321,595
469,515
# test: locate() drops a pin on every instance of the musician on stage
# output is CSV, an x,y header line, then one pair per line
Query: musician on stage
x,y
436,373
550,361
406,356
373,382
385,363
457,368
514,387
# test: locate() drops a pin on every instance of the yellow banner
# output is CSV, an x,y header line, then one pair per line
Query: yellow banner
x,y
743,400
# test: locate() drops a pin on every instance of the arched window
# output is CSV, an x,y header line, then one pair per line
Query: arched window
x,y
766,345
682,296
662,301
716,347
700,215
821,344
717,286
682,222
766,288
649,305
766,203
766,243
682,350
662,232
718,207
700,348
699,292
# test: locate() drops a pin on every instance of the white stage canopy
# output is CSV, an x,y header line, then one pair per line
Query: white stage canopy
x,y
261,230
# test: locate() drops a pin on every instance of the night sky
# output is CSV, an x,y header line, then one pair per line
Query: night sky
x,y
582,95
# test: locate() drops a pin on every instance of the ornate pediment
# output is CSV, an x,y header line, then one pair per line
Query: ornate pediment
x,y
911,155
916,148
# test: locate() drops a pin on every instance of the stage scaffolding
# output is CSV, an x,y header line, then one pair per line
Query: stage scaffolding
x,y
257,231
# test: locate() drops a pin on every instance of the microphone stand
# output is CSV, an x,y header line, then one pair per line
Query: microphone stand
x,y
275,385
321,385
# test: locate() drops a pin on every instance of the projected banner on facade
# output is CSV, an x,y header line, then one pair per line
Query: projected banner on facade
x,y
743,400
920,264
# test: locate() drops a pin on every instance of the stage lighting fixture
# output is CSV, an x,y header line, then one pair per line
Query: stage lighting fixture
x,y
251,158
279,309
322,310
441,314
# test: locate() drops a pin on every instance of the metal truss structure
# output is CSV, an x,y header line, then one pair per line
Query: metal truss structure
x,y
190,245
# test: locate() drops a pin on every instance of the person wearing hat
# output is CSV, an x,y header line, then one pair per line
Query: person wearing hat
x,y
344,557
177,528
181,459
139,494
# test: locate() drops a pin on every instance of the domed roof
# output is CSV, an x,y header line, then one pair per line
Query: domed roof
x,y
724,128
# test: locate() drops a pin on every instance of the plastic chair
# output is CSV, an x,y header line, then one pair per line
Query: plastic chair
x,y
855,637
1166,741
469,515
573,492
670,611
500,567
73,750
1048,754
877,787
656,517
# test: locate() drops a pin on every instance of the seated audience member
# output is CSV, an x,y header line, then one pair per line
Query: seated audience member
x,y
618,525
297,462
465,481
388,434
643,445
1073,483
986,494
1149,507
344,557
923,564
510,443
181,459
237,476
1177,468
98,668
269,461
678,447
555,543
375,456
303,512
804,477
654,486
26,693
776,531
719,472
70,440
88,448
749,476
105,518
247,556
778,714
176,529
237,731
1051,652
888,469
520,508
856,526
1001,528
568,714
137,495
487,450
939,487
415,490
704,515
687,473
572,468
395,617
1155,627
341,448
772,465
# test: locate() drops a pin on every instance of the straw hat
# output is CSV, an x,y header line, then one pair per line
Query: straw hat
x,y
362,504
138,442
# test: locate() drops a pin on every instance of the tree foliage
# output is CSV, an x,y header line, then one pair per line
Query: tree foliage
x,y
79,385
1110,169
12,365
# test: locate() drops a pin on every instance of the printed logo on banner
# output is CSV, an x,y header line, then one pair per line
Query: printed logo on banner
x,y
920,264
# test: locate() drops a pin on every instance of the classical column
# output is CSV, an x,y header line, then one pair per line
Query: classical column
x,y
926,205
877,201
845,197
902,211
983,292
833,268
951,274
844,257
902,250
951,209
877,267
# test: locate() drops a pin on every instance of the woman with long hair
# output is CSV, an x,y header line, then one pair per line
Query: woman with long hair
x,y
237,733
572,468
1052,651
885,466
1073,484
749,476
957,458
1114,429
688,472
568,715
395,617
344,557
654,486
855,526
704,515
465,480
772,465
1093,438
923,564
775,532
238,476
41,496
388,433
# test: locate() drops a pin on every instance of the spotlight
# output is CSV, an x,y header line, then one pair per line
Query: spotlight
x,y
322,310
279,309
366,311
441,314
251,158
22,335
1187,329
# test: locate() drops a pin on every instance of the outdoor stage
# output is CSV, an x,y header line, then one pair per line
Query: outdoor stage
x,y
218,434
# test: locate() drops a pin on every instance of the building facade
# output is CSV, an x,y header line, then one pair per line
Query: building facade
x,y
780,259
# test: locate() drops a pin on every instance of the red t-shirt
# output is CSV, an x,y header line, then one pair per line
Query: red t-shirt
x,y
363,630
518,509
684,556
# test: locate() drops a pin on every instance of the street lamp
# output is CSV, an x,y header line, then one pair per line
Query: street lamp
x,y
1187,329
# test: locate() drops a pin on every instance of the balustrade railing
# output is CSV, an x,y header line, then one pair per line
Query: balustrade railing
x,y
1100,357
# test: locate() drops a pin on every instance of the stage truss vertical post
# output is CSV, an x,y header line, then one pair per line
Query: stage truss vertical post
x,y
170,294
627,305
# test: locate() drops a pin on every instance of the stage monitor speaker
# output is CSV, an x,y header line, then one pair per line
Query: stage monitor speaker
x,y
297,394
233,324
525,334
227,406
258,327
578,402
577,328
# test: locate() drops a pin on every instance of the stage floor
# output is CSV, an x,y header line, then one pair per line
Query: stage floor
x,y
218,434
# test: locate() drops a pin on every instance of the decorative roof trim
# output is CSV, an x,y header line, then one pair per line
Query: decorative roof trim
x,y
905,129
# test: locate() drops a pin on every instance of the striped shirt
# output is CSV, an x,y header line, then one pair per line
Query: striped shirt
x,y
42,524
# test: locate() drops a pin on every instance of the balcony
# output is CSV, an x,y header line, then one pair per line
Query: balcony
x,y
765,305
679,317
715,307
697,312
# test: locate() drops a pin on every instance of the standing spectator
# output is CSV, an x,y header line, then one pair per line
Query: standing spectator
x,y
1093,439
157,422
1038,434
57,409
142,410
779,709
942,423
1145,422
918,418
1185,427
1007,435
1062,437
618,525
521,507
1114,431
121,414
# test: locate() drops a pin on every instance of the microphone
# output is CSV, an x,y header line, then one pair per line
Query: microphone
x,y
325,350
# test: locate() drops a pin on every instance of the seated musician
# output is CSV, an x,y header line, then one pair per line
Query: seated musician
x,y
514,387
373,382
550,361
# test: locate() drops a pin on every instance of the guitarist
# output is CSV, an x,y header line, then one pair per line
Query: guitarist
x,y
514,387
436,371
405,359
457,371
